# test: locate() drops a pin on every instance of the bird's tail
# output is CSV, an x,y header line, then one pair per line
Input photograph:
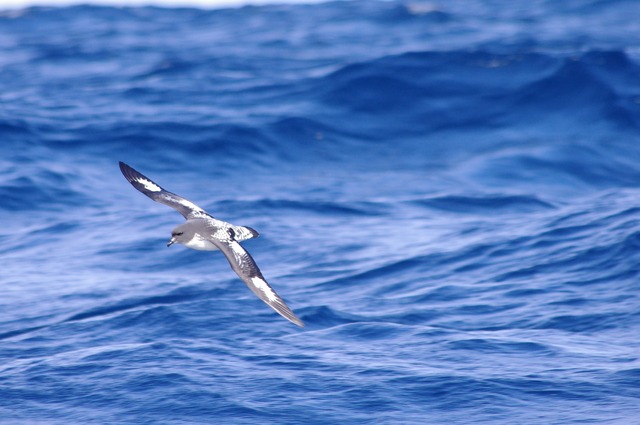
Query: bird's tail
x,y
242,233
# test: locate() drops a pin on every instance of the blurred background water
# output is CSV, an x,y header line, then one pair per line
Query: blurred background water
x,y
448,194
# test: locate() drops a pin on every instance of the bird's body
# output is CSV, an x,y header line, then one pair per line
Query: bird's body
x,y
194,237
198,241
203,232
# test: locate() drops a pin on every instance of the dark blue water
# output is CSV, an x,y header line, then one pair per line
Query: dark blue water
x,y
447,194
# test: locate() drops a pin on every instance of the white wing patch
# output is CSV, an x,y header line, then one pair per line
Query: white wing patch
x,y
264,287
149,185
190,205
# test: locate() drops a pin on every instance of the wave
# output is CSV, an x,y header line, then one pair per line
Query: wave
x,y
486,90
447,195
494,204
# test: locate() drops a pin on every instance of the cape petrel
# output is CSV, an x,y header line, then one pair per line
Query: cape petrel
x,y
203,232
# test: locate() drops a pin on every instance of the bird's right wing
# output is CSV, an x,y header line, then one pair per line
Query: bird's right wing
x,y
147,186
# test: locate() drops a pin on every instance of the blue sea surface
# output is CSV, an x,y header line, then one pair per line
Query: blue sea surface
x,y
448,195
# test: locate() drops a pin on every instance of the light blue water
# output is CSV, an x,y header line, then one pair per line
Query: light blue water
x,y
448,196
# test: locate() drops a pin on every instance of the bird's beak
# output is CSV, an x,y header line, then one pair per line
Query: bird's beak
x,y
171,241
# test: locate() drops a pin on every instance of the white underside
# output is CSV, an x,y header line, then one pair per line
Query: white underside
x,y
201,244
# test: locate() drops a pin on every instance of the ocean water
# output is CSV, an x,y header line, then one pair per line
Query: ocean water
x,y
448,195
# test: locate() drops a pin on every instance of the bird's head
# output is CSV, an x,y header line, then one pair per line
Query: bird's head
x,y
181,235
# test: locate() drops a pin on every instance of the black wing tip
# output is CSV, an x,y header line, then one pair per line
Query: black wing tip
x,y
290,316
132,175
283,310
136,178
123,167
298,322
254,232
128,172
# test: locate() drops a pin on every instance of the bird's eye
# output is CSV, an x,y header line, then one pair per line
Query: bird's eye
x,y
177,233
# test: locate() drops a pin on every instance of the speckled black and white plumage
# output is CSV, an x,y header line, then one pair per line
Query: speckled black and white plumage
x,y
203,232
